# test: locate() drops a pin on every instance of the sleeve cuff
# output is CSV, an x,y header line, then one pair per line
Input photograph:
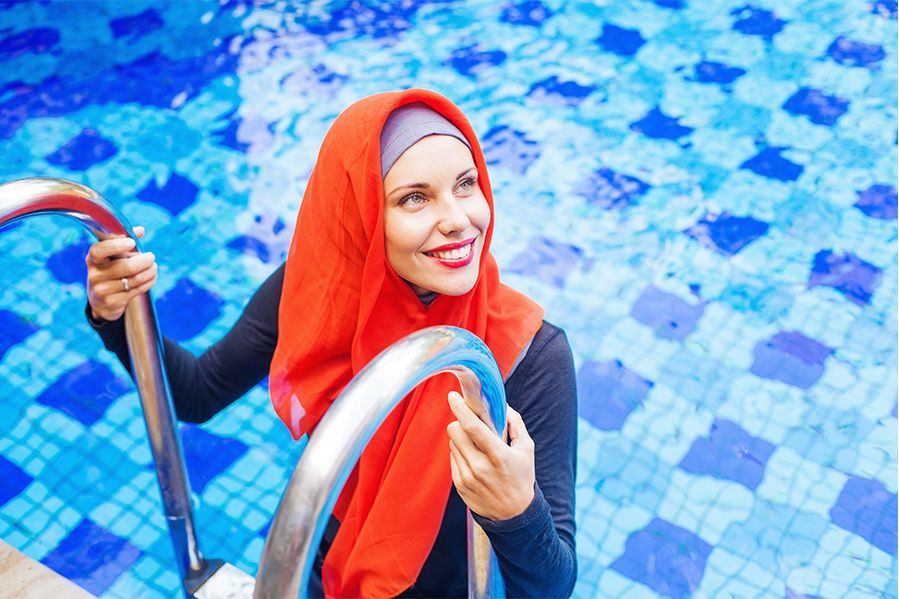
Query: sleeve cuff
x,y
536,510
96,324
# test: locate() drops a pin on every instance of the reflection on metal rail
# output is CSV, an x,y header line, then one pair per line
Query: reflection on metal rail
x,y
28,197
344,431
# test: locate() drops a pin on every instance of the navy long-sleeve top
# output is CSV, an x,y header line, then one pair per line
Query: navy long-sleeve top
x,y
535,550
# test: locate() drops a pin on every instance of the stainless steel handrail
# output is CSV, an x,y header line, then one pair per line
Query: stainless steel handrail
x,y
346,428
29,197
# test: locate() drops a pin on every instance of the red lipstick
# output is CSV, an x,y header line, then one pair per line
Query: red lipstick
x,y
450,263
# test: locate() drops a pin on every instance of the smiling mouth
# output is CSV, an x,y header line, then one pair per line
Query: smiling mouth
x,y
459,253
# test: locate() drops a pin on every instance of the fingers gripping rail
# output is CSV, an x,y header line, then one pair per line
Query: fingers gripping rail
x,y
344,431
333,450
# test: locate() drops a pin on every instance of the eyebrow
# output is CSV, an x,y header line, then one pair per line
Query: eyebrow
x,y
425,185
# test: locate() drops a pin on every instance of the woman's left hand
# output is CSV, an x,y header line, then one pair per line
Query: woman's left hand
x,y
495,480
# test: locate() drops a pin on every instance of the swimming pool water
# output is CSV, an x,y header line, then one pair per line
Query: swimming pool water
x,y
703,194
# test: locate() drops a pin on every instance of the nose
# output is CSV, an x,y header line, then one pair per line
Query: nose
x,y
453,217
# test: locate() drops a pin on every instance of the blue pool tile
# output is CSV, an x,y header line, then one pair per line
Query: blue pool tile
x,y
83,151
865,507
13,330
790,357
769,163
878,201
509,148
621,41
659,125
610,190
150,80
37,40
186,309
376,20
791,594
13,480
676,4
530,12
567,93
136,26
716,72
92,557
470,60
85,392
847,273
608,392
779,535
548,260
176,195
727,233
729,453
67,265
667,558
207,455
854,53
669,316
818,106
756,21
885,8
246,244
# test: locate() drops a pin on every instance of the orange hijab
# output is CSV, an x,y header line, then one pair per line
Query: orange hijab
x,y
341,305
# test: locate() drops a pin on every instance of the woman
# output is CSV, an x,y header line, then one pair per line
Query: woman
x,y
393,236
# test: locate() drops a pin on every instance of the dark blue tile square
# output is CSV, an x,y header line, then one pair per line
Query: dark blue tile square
x,y
669,316
769,163
186,309
756,21
136,26
885,8
13,480
563,93
471,60
13,330
865,507
820,108
667,558
619,40
548,260
509,148
855,54
727,233
729,453
659,125
790,357
530,12
92,557
878,201
607,393
85,392
178,194
83,151
610,190
67,265
856,279
37,40
716,72
207,455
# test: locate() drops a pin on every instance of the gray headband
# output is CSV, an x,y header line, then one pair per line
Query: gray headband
x,y
408,124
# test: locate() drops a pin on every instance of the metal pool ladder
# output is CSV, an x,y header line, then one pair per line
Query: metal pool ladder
x,y
332,451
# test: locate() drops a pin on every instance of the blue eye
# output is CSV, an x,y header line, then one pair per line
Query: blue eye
x,y
413,199
466,184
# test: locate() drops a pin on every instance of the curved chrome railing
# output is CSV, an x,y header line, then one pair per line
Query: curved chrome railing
x,y
29,197
344,431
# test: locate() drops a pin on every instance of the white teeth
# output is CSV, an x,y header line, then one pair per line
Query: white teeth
x,y
456,254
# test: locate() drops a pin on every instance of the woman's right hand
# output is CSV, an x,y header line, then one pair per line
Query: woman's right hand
x,y
109,264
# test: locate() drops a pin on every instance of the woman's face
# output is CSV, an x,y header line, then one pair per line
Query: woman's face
x,y
435,216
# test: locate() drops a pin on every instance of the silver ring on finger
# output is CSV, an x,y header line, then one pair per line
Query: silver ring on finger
x,y
125,284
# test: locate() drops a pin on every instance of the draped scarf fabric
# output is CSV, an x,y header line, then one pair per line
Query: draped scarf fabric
x,y
341,305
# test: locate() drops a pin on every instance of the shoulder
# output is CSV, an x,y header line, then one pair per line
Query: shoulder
x,y
549,346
